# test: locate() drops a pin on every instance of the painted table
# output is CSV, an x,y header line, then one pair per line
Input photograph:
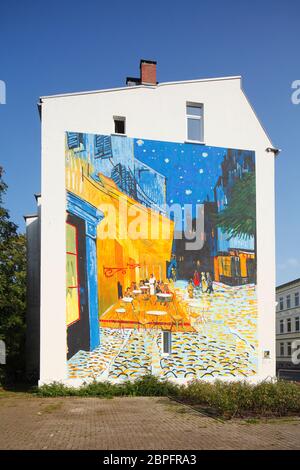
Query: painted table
x,y
163,297
156,312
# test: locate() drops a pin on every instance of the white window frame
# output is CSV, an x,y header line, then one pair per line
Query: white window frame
x,y
196,118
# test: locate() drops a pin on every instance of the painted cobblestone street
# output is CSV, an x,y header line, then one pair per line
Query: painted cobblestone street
x,y
223,342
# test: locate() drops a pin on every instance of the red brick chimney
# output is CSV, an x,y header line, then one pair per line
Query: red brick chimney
x,y
148,72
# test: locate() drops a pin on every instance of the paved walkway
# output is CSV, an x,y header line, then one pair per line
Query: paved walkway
x,y
131,423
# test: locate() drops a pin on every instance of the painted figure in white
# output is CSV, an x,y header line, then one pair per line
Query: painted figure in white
x,y
152,282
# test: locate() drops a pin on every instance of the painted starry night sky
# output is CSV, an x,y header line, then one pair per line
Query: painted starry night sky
x,y
192,170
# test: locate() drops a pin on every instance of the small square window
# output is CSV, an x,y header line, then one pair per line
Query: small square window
x,y
119,124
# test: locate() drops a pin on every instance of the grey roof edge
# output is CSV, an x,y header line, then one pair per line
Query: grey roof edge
x,y
289,283
30,216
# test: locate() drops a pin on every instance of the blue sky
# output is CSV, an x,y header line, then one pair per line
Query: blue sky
x,y
65,46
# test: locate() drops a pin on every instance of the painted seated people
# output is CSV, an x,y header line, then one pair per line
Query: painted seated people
x,y
158,288
127,292
166,288
133,285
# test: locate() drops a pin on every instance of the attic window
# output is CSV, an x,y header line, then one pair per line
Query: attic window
x,y
119,124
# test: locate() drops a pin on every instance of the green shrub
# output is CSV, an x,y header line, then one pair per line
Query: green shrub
x,y
243,399
55,389
144,386
277,398
149,386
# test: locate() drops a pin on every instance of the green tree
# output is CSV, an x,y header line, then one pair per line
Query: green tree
x,y
238,219
12,289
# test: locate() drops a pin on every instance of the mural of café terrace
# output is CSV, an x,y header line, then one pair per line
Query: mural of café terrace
x,y
152,300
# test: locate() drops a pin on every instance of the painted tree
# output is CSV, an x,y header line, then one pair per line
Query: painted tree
x,y
238,219
12,288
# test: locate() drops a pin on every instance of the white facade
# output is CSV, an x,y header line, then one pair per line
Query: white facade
x,y
159,113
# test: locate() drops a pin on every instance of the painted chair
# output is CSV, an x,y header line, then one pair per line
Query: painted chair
x,y
143,321
120,312
177,315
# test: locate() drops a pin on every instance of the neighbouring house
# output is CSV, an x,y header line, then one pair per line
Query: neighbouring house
x,y
288,330
153,250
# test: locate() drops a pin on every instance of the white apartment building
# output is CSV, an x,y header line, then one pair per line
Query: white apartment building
x,y
288,329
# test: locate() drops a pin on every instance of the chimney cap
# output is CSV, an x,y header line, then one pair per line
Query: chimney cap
x,y
146,61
